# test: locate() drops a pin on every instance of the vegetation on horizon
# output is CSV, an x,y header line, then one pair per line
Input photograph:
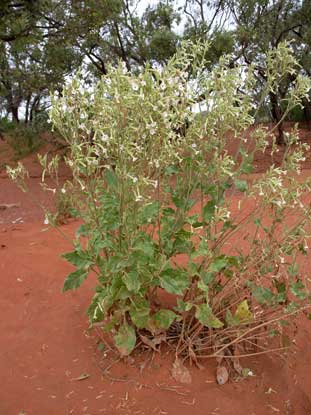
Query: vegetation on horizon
x,y
44,42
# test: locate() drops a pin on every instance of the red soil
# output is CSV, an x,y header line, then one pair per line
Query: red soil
x,y
44,347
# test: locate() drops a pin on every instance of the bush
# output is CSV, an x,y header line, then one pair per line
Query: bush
x,y
159,214
24,139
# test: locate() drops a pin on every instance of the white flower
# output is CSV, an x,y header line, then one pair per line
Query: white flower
x,y
134,179
63,190
143,82
152,132
124,68
46,221
135,87
104,138
193,145
163,86
282,259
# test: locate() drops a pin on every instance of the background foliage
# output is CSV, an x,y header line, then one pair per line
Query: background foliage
x,y
44,42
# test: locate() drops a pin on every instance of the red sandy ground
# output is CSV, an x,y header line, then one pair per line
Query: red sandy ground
x,y
44,346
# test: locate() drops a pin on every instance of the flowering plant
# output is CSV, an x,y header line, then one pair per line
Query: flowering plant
x,y
166,207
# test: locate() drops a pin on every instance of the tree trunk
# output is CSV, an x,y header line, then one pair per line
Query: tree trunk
x,y
307,111
27,109
277,117
14,112
34,108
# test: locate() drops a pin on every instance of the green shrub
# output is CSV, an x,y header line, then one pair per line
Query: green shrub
x,y
158,212
24,139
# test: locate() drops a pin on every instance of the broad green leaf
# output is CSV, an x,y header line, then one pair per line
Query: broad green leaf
x,y
231,320
125,339
202,286
207,277
183,306
209,210
75,279
148,213
243,313
218,264
202,249
262,294
241,185
80,259
111,179
140,314
170,170
132,282
83,230
164,318
146,246
299,290
174,281
206,317
293,270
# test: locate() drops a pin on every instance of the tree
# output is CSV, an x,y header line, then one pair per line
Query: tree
x,y
262,26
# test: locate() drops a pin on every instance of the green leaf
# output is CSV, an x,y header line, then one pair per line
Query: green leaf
x,y
132,282
257,222
206,317
125,340
231,320
183,306
202,249
111,179
148,213
293,270
170,170
83,230
203,287
241,185
174,281
164,318
299,290
209,210
145,246
218,264
207,277
140,313
262,294
75,279
80,259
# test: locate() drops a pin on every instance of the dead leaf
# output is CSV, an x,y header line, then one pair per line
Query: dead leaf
x,y
222,375
180,372
83,376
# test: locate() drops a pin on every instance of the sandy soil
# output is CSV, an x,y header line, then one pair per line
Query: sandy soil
x,y
45,347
